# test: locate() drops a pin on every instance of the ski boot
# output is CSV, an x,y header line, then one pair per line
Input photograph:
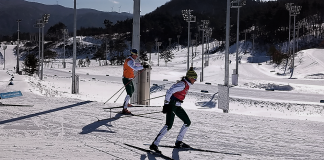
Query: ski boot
x,y
155,148
125,111
180,144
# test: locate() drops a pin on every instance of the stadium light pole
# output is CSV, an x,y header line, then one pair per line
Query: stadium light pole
x,y
106,51
17,67
64,31
74,84
4,56
300,24
237,4
208,35
44,21
203,28
295,10
193,41
289,8
39,25
223,90
178,36
189,18
158,45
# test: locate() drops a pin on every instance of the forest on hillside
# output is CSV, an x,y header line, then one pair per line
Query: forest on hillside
x,y
267,22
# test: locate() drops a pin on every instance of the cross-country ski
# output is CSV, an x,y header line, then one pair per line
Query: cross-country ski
x,y
16,105
130,115
149,151
201,150
130,106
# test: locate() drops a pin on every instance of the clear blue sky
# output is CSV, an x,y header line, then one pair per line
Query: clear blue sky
x,y
147,6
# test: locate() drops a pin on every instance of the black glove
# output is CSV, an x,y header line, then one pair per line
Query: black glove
x,y
146,66
166,108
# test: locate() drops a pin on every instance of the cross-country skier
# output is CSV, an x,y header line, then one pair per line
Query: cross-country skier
x,y
128,75
172,106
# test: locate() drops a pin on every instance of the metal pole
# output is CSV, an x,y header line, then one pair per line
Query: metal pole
x,y
17,67
178,36
43,25
4,54
74,51
245,37
289,31
298,26
158,54
188,40
227,43
106,52
4,65
208,45
288,7
192,52
202,56
237,39
39,48
253,36
223,96
293,52
64,34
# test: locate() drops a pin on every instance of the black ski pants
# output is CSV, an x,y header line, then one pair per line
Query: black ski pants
x,y
180,112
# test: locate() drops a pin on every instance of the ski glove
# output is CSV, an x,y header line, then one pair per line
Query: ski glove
x,y
166,108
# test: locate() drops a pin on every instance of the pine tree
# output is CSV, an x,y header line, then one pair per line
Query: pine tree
x,y
167,55
31,63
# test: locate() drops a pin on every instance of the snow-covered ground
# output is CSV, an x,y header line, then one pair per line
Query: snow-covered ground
x,y
286,123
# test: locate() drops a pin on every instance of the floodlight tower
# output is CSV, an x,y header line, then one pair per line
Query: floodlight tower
x,y
299,25
158,46
193,42
203,27
178,36
64,31
75,88
39,25
295,10
156,40
209,32
189,18
4,56
142,88
223,95
237,4
289,8
17,67
43,22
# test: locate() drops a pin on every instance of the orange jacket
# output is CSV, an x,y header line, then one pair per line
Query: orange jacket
x,y
128,71
129,67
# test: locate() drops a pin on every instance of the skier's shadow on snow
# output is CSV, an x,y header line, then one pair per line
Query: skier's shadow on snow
x,y
148,156
93,127
175,153
209,104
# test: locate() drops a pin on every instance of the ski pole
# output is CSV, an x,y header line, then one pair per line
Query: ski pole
x,y
125,85
119,95
149,99
117,92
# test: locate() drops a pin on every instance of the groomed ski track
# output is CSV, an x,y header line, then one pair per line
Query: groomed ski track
x,y
56,133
